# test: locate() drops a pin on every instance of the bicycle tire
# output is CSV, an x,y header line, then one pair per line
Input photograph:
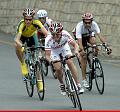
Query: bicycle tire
x,y
39,72
89,72
76,101
29,83
68,92
99,75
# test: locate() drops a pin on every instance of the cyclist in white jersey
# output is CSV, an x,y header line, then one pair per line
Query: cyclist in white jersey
x,y
43,17
85,32
58,42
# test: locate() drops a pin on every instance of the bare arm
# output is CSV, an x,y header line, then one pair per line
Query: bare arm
x,y
45,32
101,38
17,40
80,43
74,44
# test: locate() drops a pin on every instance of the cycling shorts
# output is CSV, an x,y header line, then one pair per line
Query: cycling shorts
x,y
65,50
33,40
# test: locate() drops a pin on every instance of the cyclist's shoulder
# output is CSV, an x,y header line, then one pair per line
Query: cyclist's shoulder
x,y
94,22
36,21
65,32
80,23
48,21
21,21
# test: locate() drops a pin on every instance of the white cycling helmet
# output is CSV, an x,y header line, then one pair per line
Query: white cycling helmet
x,y
41,13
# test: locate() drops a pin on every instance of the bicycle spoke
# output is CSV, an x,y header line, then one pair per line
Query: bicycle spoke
x,y
75,97
99,76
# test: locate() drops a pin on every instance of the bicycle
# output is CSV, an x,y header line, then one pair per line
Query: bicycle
x,y
95,69
71,87
35,68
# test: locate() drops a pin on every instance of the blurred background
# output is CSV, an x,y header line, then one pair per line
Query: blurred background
x,y
106,14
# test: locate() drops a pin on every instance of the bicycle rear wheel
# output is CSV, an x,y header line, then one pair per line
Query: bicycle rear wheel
x,y
99,76
29,83
39,75
74,93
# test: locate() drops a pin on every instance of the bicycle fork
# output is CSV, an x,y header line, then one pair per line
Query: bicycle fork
x,y
70,87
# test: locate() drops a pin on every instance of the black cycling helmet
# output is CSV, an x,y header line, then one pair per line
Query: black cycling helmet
x,y
28,12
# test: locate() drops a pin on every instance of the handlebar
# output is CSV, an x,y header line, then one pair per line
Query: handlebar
x,y
64,58
34,48
96,45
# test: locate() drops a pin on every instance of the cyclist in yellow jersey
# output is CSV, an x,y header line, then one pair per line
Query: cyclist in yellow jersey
x,y
27,32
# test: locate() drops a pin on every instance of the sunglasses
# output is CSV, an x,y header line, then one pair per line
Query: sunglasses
x,y
42,18
28,19
56,34
87,22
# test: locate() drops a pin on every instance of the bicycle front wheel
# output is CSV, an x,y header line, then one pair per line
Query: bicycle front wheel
x,y
99,76
74,94
40,76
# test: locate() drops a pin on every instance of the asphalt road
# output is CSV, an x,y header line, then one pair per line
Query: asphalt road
x,y
13,95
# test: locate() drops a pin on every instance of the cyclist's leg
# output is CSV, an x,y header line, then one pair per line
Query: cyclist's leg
x,y
67,52
20,56
58,71
92,41
83,60
18,49
57,66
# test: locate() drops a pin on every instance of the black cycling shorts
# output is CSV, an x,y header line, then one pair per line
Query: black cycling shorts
x,y
29,40
85,40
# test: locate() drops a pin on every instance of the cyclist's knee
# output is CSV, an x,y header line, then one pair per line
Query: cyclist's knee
x,y
17,47
57,67
83,57
69,62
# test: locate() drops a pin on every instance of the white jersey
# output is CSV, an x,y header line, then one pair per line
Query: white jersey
x,y
81,30
61,47
48,23
51,44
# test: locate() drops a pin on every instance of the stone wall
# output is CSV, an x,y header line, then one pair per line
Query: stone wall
x,y
106,14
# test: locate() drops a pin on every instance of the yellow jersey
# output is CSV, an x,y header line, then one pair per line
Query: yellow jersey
x,y
28,31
